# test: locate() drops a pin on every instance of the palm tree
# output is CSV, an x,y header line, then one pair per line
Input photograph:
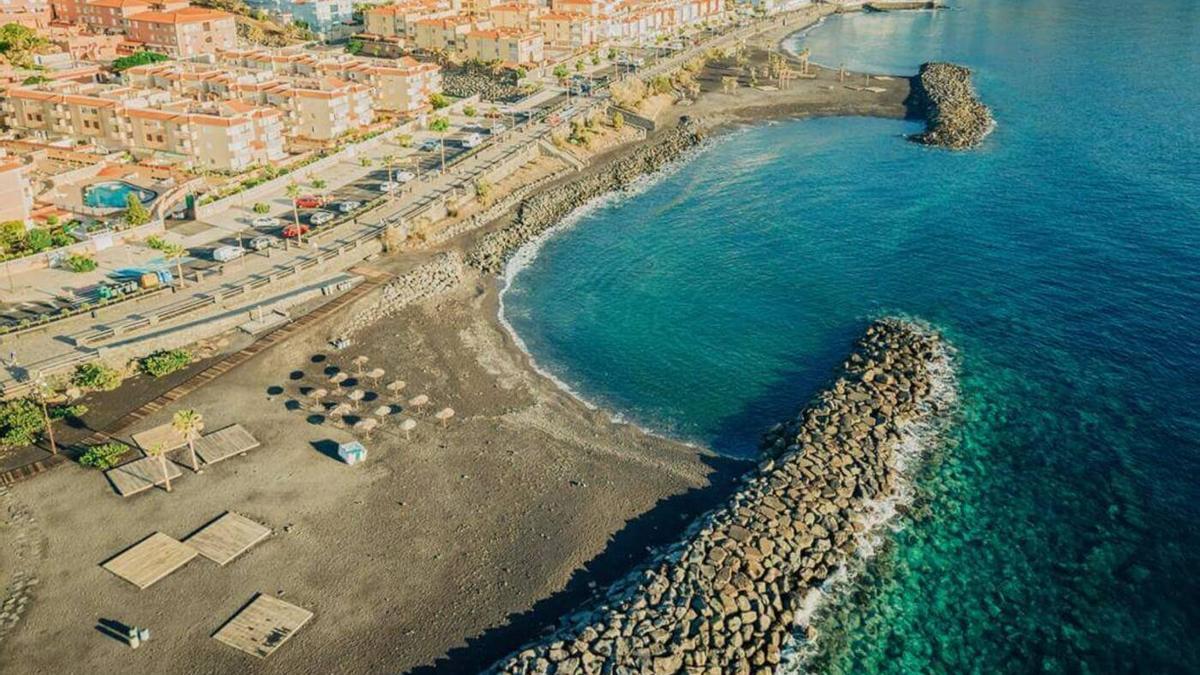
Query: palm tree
x,y
319,185
160,451
175,252
293,191
42,392
388,161
189,423
441,125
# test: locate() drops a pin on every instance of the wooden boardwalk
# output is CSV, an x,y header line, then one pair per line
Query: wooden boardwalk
x,y
164,434
150,560
263,625
203,377
141,474
225,443
227,537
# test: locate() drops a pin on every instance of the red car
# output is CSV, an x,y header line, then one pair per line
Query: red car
x,y
309,202
293,231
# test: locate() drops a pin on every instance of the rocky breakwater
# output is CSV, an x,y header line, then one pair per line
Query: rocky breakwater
x,y
540,212
430,279
727,598
954,116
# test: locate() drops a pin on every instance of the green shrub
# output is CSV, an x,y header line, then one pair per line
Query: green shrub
x,y
469,110
156,242
96,376
20,422
262,209
59,412
104,456
165,362
438,101
38,240
80,263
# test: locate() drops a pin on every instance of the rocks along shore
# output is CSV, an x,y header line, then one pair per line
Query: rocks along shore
x,y
546,209
727,597
954,116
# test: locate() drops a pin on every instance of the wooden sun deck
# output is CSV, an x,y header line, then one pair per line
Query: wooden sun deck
x,y
227,537
225,443
163,434
141,474
150,560
263,625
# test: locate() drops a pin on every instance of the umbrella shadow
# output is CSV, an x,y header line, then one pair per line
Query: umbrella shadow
x,y
328,448
114,629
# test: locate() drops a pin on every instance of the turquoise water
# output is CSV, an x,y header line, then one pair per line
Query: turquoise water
x,y
1058,531
115,194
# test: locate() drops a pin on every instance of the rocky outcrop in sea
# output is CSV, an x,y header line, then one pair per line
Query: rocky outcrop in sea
x,y
726,599
544,210
954,116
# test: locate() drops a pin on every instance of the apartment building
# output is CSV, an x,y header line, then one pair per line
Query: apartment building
x,y
400,20
570,32
223,135
322,16
523,16
447,34
16,191
509,46
107,16
182,33
29,13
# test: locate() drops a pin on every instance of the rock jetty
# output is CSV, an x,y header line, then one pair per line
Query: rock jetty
x,y
435,277
542,211
954,116
726,599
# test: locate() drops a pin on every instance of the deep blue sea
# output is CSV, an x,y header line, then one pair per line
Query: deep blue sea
x,y
1057,530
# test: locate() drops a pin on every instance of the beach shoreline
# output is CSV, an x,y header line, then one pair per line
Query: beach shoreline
x,y
523,510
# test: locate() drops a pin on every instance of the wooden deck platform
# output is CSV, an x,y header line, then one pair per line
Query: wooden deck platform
x,y
150,559
225,443
263,625
141,474
227,537
163,434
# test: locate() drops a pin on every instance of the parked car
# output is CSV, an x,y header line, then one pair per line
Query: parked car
x,y
320,218
496,129
309,202
264,222
261,243
466,140
293,231
227,253
403,176
348,206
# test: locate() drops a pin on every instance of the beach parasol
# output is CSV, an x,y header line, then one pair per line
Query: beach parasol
x,y
418,400
359,362
376,374
366,425
407,426
444,415
356,396
338,378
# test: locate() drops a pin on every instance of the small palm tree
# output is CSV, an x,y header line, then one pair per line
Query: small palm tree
x,y
189,423
441,125
293,191
319,185
42,392
389,161
175,252
160,451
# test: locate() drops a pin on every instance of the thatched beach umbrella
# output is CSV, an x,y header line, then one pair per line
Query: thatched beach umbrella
x,y
317,395
444,415
366,425
407,426
395,387
359,362
339,378
418,400
376,374
339,410
356,396
382,411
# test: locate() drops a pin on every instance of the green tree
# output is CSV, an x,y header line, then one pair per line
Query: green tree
x,y
189,423
20,422
469,111
560,71
354,46
135,211
138,59
19,43
389,161
175,252
96,376
438,101
262,209
38,240
319,185
104,456
80,263
579,65
441,125
293,191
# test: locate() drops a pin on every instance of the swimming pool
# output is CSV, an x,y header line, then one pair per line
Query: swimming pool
x,y
115,194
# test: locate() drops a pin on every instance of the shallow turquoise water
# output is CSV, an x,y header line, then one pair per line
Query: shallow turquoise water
x,y
1058,532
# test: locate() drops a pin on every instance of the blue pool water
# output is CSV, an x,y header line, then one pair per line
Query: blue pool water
x,y
115,194
1058,530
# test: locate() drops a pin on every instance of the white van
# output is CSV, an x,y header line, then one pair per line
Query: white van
x,y
227,253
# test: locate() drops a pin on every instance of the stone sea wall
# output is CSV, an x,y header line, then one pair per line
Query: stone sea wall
x,y
726,599
544,210
954,116
435,277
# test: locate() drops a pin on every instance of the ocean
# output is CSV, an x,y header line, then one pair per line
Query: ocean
x,y
1056,528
